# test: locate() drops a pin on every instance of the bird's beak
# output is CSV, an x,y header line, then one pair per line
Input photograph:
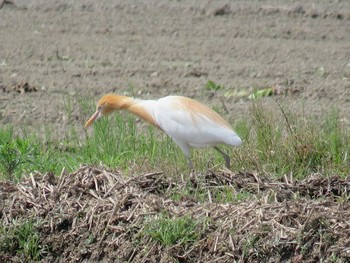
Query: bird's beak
x,y
92,119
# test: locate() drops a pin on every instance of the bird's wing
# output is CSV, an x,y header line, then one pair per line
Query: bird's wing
x,y
190,112
192,122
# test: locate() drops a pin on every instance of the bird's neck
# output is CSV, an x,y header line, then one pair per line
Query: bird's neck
x,y
141,108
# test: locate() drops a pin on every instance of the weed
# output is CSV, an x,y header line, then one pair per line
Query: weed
x,y
278,143
229,195
22,239
14,152
117,142
211,85
171,231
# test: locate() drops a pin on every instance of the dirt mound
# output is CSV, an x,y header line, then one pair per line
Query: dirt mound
x,y
98,215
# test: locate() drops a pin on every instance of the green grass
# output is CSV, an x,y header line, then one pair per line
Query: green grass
x,y
21,239
276,142
212,86
170,231
282,143
115,142
118,142
16,153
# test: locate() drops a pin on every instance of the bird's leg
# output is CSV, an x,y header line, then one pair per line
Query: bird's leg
x,y
186,150
226,157
190,163
192,171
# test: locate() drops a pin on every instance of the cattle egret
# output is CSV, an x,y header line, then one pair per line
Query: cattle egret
x,y
189,123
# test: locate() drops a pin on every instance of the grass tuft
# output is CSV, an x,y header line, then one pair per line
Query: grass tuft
x,y
15,152
171,231
281,143
21,239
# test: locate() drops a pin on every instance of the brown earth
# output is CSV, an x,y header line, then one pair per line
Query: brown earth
x,y
96,215
56,53
71,50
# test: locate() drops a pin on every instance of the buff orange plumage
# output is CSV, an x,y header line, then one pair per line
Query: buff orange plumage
x,y
188,122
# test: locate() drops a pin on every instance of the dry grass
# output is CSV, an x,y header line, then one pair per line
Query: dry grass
x,y
95,214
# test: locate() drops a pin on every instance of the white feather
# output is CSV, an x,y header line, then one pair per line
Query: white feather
x,y
190,129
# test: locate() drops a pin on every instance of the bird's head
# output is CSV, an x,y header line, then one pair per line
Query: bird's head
x,y
105,106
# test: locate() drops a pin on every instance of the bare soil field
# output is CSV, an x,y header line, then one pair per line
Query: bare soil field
x,y
54,53
69,50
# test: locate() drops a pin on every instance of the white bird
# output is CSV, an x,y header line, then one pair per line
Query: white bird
x,y
189,123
